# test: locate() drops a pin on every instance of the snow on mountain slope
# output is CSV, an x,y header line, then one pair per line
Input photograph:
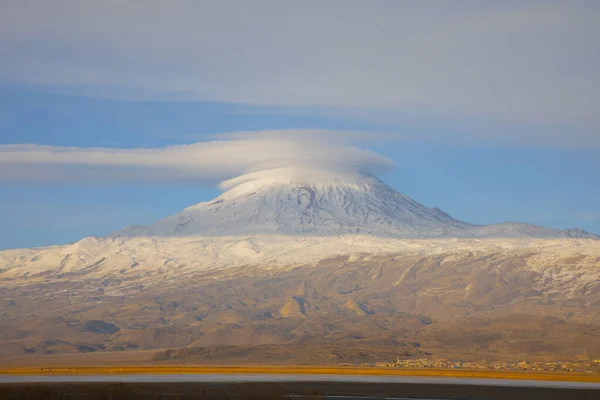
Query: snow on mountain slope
x,y
150,260
309,203
278,219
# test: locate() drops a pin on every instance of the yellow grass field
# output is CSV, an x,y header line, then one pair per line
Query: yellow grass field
x,y
273,369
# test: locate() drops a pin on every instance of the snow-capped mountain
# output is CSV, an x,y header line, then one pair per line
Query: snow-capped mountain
x,y
279,253
279,218
292,202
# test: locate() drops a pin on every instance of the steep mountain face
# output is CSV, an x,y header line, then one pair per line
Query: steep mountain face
x,y
356,205
326,208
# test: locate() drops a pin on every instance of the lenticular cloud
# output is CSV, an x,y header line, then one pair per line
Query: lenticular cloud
x,y
305,155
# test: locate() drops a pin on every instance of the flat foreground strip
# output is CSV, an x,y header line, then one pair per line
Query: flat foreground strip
x,y
284,390
287,378
300,371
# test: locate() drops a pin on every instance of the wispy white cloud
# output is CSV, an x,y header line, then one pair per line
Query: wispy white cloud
x,y
323,152
526,61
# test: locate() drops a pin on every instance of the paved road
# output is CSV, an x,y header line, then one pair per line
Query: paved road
x,y
132,378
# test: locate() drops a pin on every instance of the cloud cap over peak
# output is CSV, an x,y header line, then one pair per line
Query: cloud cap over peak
x,y
201,162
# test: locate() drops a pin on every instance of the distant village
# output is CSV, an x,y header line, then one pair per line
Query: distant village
x,y
568,366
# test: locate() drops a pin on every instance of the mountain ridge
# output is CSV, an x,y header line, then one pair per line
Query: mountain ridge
x,y
290,261
338,205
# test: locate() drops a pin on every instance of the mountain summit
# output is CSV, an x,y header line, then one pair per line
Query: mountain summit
x,y
314,203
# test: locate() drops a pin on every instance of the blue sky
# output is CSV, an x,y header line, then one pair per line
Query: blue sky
x,y
478,183
493,107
